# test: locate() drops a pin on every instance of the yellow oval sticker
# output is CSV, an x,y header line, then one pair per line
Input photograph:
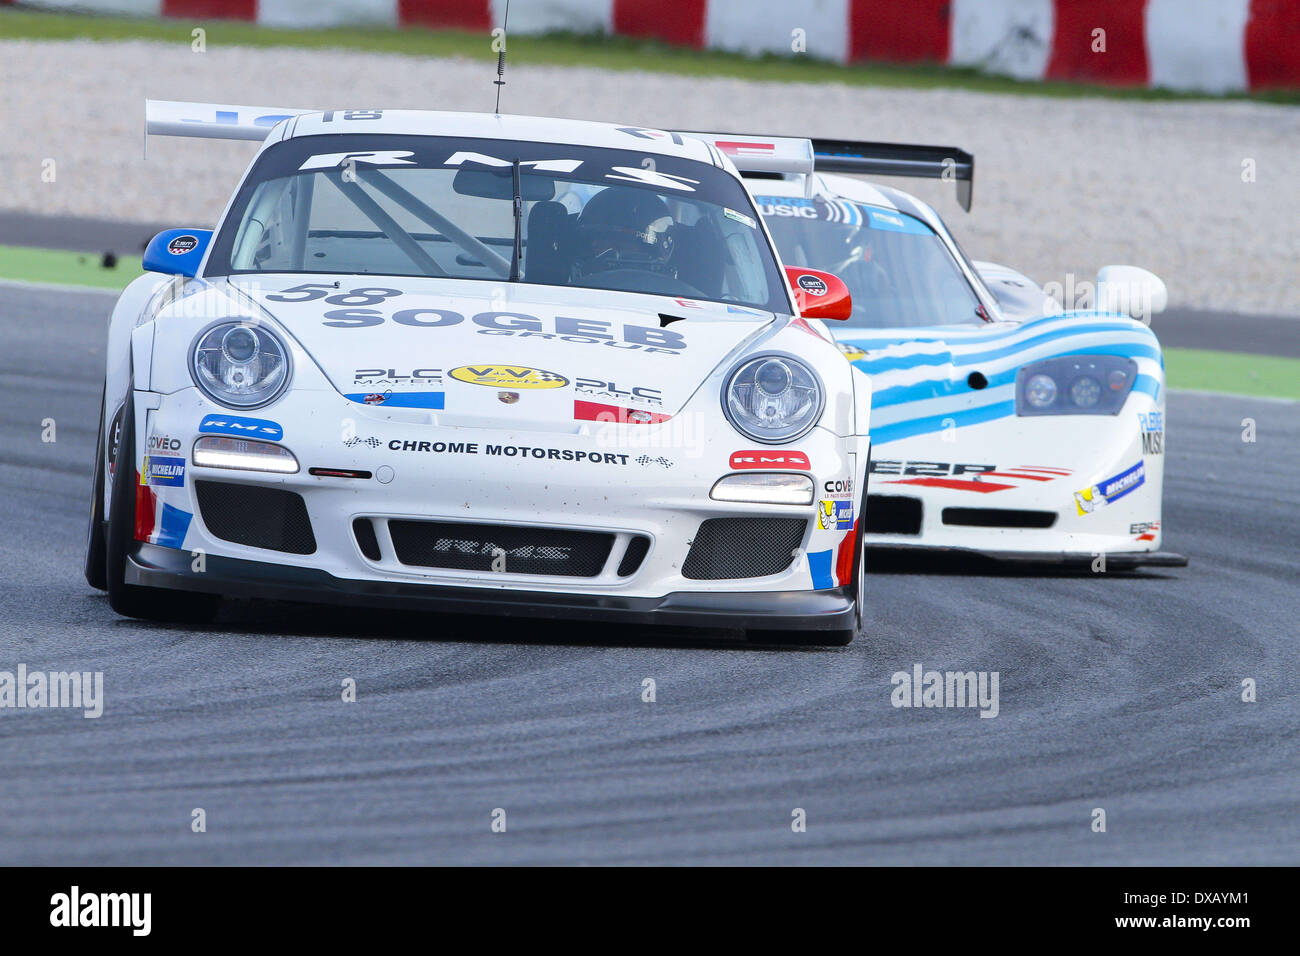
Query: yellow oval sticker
x,y
508,376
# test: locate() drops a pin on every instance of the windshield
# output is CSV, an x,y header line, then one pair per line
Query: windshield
x,y
899,272
438,206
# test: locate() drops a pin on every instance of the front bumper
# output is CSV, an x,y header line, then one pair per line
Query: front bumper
x,y
1115,560
153,566
656,488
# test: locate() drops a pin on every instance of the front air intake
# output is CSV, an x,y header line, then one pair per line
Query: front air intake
x,y
998,518
730,548
893,514
255,516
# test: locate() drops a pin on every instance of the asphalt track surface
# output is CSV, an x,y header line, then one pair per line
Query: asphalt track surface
x,y
1118,692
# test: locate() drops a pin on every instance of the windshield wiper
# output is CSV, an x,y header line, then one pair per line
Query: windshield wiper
x,y
518,252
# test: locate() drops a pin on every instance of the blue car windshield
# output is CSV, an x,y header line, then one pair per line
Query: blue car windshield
x,y
898,270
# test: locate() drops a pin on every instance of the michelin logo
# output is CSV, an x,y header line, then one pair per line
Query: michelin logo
x,y
1104,492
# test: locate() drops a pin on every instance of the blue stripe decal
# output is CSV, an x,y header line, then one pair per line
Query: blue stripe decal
x,y
934,423
172,527
819,564
935,388
1147,385
402,399
956,335
1041,339
903,362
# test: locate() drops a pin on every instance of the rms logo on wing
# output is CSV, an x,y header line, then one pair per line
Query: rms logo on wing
x,y
508,376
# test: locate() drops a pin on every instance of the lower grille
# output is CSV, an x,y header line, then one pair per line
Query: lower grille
x,y
503,548
636,551
998,518
364,530
893,514
730,548
254,516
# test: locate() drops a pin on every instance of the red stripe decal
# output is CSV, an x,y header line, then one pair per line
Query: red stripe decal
x,y
983,487
596,412
899,31
802,325
731,149
145,505
678,21
845,554
1116,56
1012,474
458,14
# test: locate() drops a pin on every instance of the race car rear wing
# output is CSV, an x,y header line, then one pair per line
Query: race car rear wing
x,y
784,154
212,120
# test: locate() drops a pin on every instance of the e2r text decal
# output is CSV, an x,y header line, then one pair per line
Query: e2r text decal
x,y
932,468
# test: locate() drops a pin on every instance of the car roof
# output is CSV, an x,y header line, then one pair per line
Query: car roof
x,y
539,129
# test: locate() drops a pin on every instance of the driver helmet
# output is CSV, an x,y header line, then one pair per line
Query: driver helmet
x,y
623,227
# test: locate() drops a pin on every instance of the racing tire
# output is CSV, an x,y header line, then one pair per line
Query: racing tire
x,y
96,573
129,600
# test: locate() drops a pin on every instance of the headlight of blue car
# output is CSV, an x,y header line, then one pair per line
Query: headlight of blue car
x,y
240,365
1075,385
773,398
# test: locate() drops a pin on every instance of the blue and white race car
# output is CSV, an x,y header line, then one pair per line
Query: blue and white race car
x,y
1000,424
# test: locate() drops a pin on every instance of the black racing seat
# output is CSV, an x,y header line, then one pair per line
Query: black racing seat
x,y
700,257
549,256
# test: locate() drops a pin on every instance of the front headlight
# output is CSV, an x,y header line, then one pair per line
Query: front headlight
x,y
1075,385
240,364
773,398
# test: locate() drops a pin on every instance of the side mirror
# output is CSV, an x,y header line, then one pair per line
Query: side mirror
x,y
819,295
177,252
1131,291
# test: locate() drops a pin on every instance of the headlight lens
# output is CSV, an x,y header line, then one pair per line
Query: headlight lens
x,y
1040,390
773,398
1075,385
240,365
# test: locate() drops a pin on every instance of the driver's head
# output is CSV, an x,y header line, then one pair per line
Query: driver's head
x,y
624,227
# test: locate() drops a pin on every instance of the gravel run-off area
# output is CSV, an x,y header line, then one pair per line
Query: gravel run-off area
x,y
1204,193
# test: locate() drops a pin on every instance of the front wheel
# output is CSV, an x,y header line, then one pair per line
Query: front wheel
x,y
130,600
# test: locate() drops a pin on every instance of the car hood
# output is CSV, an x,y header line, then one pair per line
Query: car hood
x,y
498,352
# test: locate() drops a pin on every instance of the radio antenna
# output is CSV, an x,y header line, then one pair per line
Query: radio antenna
x,y
500,81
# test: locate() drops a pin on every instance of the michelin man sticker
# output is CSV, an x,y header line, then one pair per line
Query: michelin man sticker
x,y
1104,492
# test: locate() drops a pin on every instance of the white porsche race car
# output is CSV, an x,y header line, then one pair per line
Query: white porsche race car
x,y
479,363
1000,424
